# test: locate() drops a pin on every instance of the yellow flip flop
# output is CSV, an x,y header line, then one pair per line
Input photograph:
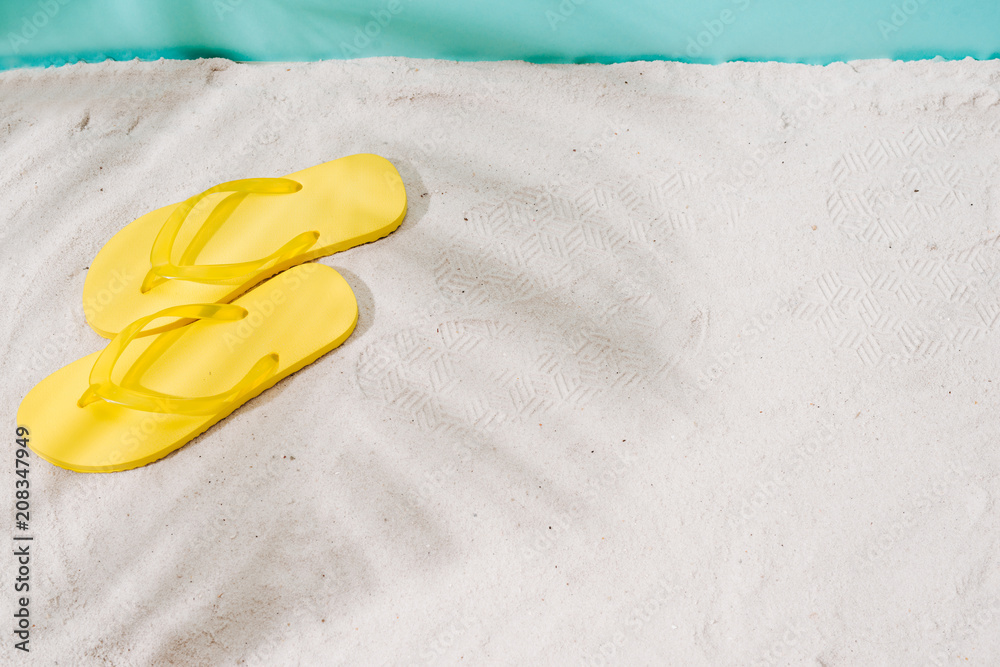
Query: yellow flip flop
x,y
95,416
217,244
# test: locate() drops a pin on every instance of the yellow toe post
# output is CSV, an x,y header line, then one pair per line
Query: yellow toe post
x,y
217,244
155,387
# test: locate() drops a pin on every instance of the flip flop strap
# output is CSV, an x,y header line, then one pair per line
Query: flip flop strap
x,y
164,269
140,398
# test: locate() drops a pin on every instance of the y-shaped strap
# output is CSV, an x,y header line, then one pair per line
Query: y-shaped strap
x,y
139,398
164,269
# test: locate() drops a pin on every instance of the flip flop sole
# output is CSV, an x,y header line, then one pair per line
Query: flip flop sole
x,y
349,201
300,315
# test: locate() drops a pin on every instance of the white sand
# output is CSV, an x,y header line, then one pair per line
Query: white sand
x,y
668,365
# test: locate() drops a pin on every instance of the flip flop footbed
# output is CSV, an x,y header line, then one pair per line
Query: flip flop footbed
x,y
349,201
298,315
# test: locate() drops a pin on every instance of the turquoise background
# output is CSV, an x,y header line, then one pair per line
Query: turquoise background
x,y
49,32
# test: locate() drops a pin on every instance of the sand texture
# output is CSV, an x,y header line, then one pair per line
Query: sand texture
x,y
668,365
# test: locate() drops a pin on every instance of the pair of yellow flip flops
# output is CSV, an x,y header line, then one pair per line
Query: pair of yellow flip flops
x,y
189,342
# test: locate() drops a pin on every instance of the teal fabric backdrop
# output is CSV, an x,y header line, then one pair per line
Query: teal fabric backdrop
x,y
46,32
